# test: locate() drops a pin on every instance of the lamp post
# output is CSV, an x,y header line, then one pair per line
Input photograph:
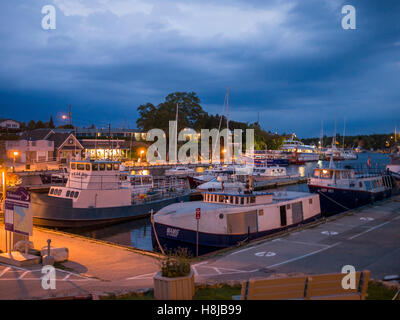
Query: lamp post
x,y
141,155
15,154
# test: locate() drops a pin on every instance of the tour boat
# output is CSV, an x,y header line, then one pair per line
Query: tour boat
x,y
179,171
303,153
95,195
230,218
344,189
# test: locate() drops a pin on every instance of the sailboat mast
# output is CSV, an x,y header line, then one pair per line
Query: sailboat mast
x,y
227,126
176,133
344,130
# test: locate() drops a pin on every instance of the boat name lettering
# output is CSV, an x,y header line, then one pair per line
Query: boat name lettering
x,y
171,232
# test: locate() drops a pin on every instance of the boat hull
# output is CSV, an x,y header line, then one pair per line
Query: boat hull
x,y
278,162
58,212
172,238
335,200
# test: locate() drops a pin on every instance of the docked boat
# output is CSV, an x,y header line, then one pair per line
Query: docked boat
x,y
300,153
344,189
230,218
394,166
95,195
179,171
264,158
348,154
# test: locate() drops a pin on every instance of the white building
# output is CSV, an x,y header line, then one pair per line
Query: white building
x,y
9,124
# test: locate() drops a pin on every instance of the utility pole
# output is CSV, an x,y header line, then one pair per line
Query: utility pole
x,y
69,115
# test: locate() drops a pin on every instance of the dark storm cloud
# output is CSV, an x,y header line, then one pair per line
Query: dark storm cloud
x,y
289,60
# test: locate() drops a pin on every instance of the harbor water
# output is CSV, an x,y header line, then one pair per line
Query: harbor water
x,y
137,233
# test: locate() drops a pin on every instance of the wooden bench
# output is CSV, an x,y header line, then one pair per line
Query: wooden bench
x,y
314,287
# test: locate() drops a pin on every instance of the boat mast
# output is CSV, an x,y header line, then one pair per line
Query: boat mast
x,y
227,124
344,130
322,134
176,134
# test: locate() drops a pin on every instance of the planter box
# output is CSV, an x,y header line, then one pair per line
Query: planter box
x,y
181,288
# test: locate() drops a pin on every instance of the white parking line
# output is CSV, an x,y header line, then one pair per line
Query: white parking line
x,y
306,243
236,252
303,256
370,229
27,271
4,271
143,276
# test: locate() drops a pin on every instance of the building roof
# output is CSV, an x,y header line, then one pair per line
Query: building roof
x,y
104,144
7,119
37,134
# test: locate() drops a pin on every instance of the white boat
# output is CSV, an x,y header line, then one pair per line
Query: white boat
x,y
221,183
230,218
179,171
271,173
348,154
95,195
304,153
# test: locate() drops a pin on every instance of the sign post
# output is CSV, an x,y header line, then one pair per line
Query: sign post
x,y
198,215
17,215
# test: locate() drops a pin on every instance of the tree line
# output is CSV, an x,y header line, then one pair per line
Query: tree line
x,y
366,142
192,115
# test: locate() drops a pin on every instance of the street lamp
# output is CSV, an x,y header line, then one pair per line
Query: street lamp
x,y
141,153
15,154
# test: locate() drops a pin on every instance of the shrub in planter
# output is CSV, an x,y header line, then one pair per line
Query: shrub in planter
x,y
175,281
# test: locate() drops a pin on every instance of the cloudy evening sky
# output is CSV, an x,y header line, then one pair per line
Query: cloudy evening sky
x,y
289,60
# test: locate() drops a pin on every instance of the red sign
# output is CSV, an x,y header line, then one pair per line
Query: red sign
x,y
198,213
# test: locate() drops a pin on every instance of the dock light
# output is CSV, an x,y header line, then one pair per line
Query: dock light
x,y
223,150
324,171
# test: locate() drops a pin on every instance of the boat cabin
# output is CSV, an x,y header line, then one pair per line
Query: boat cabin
x,y
238,199
348,179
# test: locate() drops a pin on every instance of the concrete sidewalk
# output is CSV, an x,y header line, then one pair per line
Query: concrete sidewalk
x,y
93,267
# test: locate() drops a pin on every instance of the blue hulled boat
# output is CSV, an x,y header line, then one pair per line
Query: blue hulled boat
x,y
344,189
229,218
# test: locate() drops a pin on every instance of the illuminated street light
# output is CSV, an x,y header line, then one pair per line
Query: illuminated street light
x,y
15,154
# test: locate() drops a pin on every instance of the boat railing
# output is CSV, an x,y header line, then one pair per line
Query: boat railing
x,y
158,195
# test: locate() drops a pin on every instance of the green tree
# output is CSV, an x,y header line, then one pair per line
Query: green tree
x,y
51,123
31,125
